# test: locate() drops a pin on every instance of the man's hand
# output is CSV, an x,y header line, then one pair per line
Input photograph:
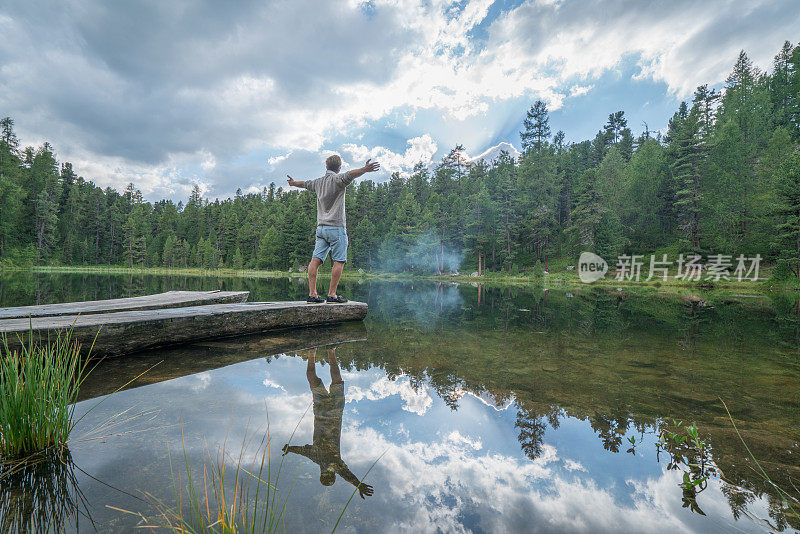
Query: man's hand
x,y
364,489
371,167
293,182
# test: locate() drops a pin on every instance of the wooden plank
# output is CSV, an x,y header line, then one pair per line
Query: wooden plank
x,y
173,362
170,299
130,331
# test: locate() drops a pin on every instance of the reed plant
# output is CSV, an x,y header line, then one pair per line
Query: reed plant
x,y
39,385
790,502
235,493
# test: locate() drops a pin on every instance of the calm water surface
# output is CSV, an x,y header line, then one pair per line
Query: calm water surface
x,y
488,410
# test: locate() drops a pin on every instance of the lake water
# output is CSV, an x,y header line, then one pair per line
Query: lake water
x,y
487,410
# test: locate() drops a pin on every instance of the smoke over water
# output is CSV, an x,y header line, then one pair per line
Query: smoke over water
x,y
423,254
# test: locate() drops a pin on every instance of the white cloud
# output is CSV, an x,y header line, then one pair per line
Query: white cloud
x,y
506,492
275,160
200,381
268,383
175,177
420,150
416,401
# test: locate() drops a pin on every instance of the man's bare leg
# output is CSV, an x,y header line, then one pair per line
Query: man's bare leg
x,y
336,274
311,371
313,267
336,375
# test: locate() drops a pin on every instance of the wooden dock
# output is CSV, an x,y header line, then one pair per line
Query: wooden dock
x,y
132,330
170,299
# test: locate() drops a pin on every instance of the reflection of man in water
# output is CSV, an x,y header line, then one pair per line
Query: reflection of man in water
x,y
328,408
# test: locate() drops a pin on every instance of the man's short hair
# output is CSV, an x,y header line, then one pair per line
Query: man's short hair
x,y
333,163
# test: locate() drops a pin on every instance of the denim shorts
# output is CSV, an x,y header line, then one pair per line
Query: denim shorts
x,y
333,239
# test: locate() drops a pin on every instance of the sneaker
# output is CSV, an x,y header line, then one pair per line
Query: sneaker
x,y
315,300
337,299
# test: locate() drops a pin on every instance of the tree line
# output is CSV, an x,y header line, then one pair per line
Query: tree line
x,y
723,178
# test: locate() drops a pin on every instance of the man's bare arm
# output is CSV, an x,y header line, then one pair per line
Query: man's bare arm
x,y
368,167
345,473
295,183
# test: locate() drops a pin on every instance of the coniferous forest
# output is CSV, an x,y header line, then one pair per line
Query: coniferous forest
x,y
723,178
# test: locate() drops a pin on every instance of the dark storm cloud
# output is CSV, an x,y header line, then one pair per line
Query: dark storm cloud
x,y
140,80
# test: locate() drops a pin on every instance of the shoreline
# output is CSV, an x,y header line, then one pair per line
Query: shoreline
x,y
564,280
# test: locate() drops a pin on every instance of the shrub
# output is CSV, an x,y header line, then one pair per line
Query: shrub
x,y
784,270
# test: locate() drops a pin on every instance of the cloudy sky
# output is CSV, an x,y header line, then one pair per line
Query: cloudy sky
x,y
238,94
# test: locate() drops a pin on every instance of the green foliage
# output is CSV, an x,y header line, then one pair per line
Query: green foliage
x,y
269,253
238,258
536,128
785,269
20,257
788,209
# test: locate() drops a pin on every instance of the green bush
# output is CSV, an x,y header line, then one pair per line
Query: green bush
x,y
20,257
785,269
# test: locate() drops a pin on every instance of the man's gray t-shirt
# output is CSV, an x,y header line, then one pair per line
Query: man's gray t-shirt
x,y
330,197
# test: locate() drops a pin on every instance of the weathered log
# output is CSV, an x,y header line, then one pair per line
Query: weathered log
x,y
130,331
170,299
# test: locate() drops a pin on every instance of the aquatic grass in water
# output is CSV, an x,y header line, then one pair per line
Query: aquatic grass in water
x,y
38,390
41,495
249,503
687,450
791,502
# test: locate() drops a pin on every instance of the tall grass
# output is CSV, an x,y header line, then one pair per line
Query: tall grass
x,y
235,494
38,390
242,498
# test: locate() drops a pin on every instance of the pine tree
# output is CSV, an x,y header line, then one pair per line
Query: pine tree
x,y
406,222
168,255
587,214
195,258
614,127
238,259
690,154
11,193
364,241
269,252
625,144
788,210
536,126
134,240
209,253
704,100
46,212
9,144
